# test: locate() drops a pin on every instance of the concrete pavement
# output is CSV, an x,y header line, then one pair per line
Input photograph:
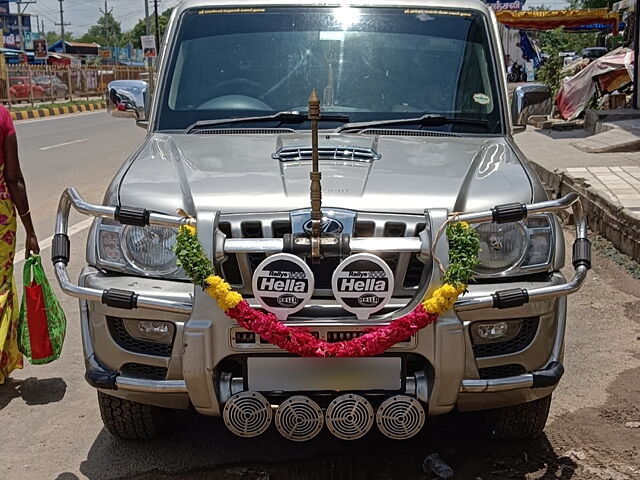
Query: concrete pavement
x,y
608,183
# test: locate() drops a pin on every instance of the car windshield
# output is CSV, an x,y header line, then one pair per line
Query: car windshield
x,y
367,63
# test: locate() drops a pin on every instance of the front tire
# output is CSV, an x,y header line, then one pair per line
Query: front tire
x,y
131,420
519,422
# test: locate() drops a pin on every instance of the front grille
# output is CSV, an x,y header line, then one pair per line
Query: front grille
x,y
351,154
135,345
408,269
501,371
521,341
139,370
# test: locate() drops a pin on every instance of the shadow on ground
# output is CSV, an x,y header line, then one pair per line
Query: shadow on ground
x,y
577,134
201,448
34,391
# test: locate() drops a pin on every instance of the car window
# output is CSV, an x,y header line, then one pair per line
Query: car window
x,y
370,63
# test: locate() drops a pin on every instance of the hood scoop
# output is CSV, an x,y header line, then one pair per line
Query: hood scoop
x,y
335,149
242,131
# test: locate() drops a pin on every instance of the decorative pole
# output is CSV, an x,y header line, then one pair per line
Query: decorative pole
x,y
316,178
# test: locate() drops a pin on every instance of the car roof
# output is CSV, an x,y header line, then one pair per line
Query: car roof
x,y
449,4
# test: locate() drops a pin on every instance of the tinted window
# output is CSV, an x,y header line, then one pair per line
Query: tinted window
x,y
371,64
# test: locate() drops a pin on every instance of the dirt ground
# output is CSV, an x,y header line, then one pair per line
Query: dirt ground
x,y
52,430
588,436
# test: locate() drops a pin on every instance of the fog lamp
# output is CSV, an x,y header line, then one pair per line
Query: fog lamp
x,y
497,331
155,331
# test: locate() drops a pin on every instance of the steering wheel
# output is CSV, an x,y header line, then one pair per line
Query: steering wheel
x,y
231,95
237,86
235,102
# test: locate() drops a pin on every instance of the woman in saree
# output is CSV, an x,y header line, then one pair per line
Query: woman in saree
x,y
13,204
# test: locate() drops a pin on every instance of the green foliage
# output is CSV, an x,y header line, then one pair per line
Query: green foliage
x,y
192,259
592,3
107,32
52,37
464,246
552,43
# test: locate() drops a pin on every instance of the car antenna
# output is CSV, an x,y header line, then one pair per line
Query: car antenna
x,y
316,179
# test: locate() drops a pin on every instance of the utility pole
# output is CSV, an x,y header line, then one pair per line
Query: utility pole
x,y
62,25
21,11
636,69
105,13
20,27
155,7
147,20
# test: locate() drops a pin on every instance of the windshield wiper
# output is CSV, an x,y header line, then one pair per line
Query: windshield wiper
x,y
429,120
281,117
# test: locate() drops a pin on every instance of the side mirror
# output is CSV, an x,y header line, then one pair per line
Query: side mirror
x,y
528,100
128,99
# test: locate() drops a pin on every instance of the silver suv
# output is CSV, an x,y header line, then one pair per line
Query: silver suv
x,y
415,130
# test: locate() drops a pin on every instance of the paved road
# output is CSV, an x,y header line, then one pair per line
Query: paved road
x,y
82,150
49,420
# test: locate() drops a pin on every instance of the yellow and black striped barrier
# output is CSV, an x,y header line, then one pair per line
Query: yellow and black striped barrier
x,y
54,111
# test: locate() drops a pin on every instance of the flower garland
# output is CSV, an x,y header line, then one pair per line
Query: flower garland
x,y
463,258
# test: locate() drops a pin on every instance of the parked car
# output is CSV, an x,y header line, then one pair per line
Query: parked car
x,y
594,52
19,88
52,86
414,129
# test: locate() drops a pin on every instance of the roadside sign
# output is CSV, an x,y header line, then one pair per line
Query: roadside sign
x,y
149,48
105,54
40,49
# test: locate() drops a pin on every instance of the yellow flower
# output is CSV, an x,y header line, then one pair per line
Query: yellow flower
x,y
189,229
442,299
221,292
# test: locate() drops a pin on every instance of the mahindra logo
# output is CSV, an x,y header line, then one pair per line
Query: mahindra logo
x,y
329,225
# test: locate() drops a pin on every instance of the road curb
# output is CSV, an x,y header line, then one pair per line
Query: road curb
x,y
609,219
55,111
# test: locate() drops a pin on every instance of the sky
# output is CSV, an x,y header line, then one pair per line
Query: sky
x,y
82,14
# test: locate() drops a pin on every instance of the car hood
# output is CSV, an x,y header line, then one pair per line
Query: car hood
x,y
237,173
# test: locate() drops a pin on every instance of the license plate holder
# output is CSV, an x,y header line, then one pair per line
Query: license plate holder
x,y
275,374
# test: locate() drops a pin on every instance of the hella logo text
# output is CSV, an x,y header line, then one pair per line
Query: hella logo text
x,y
266,284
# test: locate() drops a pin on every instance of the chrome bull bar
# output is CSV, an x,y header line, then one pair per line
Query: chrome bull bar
x,y
141,217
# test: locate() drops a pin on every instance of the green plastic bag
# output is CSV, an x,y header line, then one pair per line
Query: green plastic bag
x,y
42,324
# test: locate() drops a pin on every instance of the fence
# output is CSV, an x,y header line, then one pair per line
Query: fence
x,y
37,84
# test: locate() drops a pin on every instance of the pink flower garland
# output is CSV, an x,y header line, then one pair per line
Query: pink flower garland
x,y
304,344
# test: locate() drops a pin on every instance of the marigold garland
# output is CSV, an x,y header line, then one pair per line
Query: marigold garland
x,y
463,258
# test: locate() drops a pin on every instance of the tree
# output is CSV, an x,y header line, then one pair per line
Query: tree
x,y
53,36
140,29
591,4
106,32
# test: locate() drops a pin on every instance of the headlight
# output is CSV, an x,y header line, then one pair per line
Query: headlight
x,y
515,248
150,249
501,246
137,250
